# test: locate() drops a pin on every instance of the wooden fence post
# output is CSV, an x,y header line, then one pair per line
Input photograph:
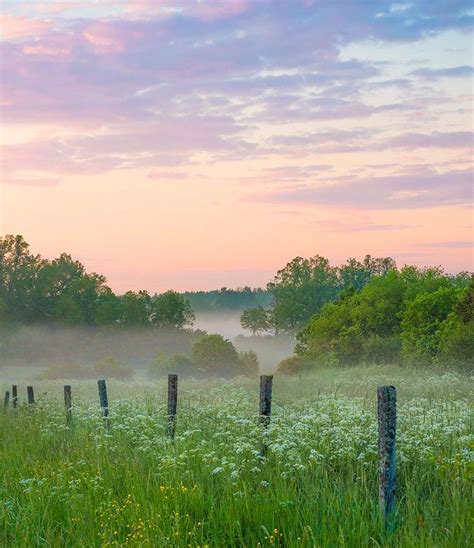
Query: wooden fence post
x,y
68,404
31,395
387,422
14,396
104,403
172,404
6,400
266,383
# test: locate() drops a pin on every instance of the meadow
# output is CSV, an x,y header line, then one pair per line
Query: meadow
x,y
316,486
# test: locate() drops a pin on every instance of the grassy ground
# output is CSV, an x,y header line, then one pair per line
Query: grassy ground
x,y
317,486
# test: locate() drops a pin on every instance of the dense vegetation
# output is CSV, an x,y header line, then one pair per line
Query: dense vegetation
x,y
210,355
418,316
316,486
36,290
361,311
225,299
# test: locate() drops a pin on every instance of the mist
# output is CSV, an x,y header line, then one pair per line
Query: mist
x,y
29,351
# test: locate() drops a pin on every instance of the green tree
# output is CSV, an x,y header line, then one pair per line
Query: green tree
x,y
300,290
135,308
171,309
421,322
215,355
255,319
457,332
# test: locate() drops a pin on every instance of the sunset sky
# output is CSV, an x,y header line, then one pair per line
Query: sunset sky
x,y
201,144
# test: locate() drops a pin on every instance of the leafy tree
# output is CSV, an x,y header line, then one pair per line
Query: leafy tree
x,y
357,274
421,321
457,332
255,319
135,308
301,289
215,355
171,309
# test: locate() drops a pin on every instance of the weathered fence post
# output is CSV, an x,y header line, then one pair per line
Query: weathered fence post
x,y
6,400
387,419
266,383
68,404
14,396
172,404
104,403
31,395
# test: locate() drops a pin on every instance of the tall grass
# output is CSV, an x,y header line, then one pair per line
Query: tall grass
x,y
317,485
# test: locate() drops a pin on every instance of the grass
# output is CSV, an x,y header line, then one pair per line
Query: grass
x,y
317,486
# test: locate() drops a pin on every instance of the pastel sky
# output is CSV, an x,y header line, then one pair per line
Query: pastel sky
x,y
196,144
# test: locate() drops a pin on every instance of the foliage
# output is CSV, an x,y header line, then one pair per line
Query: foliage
x,y
213,354
405,313
256,320
304,286
60,291
170,309
421,321
456,337
228,299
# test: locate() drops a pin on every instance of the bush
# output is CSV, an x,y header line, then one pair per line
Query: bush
x,y
294,365
377,349
216,356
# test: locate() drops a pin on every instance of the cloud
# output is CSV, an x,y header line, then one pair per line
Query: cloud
x,y
436,139
449,72
405,191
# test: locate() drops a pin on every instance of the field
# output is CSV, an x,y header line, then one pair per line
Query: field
x,y
317,485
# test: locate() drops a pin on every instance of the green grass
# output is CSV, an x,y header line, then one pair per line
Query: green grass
x,y
316,487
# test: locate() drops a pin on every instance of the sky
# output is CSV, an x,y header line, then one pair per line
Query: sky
x,y
200,144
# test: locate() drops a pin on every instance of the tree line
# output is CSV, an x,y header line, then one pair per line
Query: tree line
x,y
369,311
38,290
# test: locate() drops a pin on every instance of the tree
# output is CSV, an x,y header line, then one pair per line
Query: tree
x,y
421,323
171,309
456,338
301,289
135,308
215,355
255,319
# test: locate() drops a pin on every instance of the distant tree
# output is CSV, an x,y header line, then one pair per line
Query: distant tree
x,y
171,309
135,308
301,289
255,319
215,355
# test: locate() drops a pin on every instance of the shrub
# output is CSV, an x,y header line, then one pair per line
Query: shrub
x,y
293,365
215,355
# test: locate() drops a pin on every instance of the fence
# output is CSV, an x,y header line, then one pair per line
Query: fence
x,y
386,415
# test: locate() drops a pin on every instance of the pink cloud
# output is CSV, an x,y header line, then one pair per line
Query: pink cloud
x,y
46,50
18,27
